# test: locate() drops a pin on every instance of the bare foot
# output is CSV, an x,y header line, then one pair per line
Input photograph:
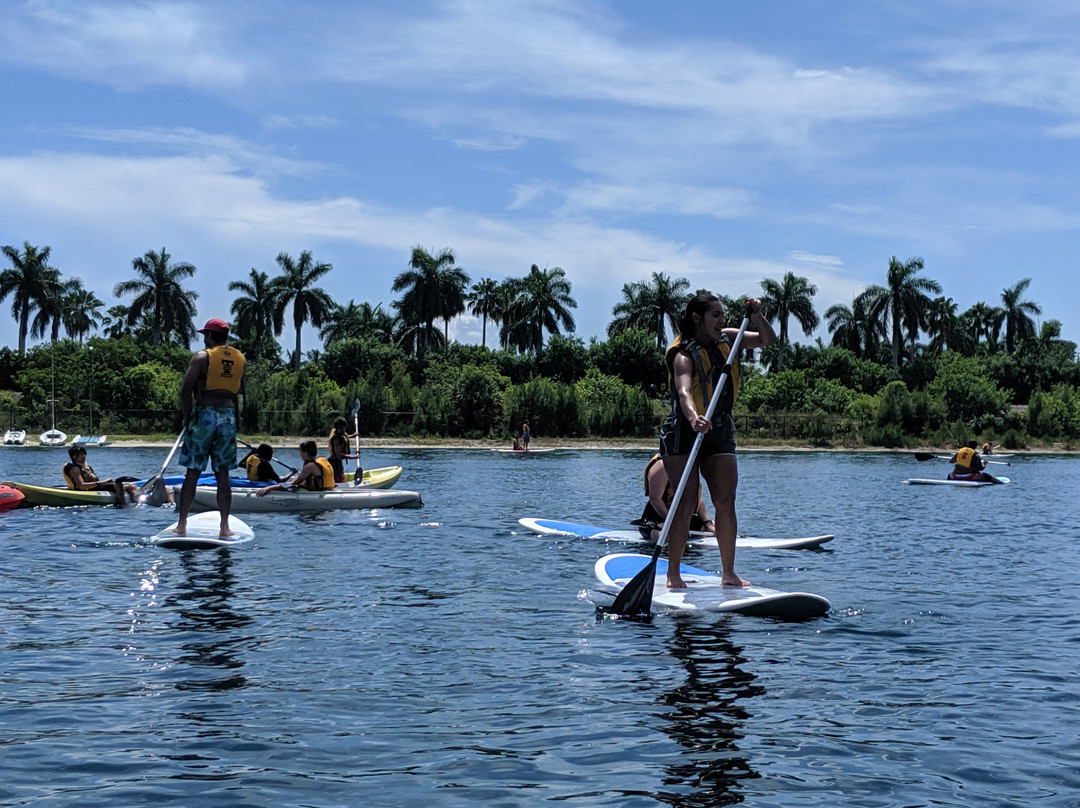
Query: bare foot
x,y
677,582
734,580
181,528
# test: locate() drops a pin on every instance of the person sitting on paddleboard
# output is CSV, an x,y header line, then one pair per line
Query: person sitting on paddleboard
x,y
339,449
969,466
988,448
258,465
80,477
695,361
660,493
316,474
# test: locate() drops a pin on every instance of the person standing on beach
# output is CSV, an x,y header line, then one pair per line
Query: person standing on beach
x,y
209,407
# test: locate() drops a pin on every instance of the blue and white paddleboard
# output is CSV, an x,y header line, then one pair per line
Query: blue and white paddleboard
x,y
956,483
202,533
555,527
705,593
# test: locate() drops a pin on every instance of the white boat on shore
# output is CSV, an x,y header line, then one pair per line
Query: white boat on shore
x,y
53,437
15,437
90,440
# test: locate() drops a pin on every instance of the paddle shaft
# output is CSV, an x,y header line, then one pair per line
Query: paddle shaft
x,y
359,473
920,456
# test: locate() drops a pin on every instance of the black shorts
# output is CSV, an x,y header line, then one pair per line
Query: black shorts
x,y
677,436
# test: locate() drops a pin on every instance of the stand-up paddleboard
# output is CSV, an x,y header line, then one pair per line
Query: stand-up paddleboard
x,y
957,483
555,527
202,533
522,451
705,593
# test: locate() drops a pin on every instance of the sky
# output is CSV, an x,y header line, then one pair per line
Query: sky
x,y
723,142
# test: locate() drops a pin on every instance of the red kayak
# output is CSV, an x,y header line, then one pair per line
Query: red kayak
x,y
9,497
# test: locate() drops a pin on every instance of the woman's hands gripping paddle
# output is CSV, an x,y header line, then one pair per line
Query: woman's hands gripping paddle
x,y
636,597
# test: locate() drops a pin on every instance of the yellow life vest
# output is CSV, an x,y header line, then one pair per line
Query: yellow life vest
x,y
324,483
87,474
343,440
252,463
965,459
225,370
702,382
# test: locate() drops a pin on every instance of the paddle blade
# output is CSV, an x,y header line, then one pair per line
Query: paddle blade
x,y
636,597
157,496
920,456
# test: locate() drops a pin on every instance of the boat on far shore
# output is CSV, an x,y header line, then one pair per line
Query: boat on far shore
x,y
15,437
90,440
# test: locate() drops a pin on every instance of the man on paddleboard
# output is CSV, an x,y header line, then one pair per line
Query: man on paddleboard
x,y
969,466
209,407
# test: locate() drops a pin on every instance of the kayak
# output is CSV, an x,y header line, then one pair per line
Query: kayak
x,y
247,499
375,478
10,497
60,497
956,483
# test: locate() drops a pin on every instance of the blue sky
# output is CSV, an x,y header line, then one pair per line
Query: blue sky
x,y
724,142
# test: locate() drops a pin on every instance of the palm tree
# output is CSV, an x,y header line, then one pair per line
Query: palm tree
x,y
434,288
791,297
294,286
543,303
1018,325
115,321
343,322
902,302
982,320
28,282
160,298
484,302
82,312
50,313
652,306
255,311
946,329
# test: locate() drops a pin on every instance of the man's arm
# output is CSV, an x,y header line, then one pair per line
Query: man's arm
x,y
189,388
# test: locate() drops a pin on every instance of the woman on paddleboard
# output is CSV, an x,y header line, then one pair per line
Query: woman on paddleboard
x,y
695,362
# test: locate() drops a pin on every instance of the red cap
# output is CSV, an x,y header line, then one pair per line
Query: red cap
x,y
217,324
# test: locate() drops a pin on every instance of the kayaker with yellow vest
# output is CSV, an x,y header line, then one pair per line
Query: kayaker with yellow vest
x,y
695,361
315,475
660,493
969,466
258,466
81,477
339,449
209,407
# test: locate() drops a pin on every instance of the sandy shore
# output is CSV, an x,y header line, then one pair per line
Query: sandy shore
x,y
624,444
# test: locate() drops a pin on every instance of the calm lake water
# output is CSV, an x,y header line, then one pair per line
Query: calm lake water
x,y
445,657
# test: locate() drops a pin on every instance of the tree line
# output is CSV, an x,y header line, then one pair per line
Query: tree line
x,y
901,337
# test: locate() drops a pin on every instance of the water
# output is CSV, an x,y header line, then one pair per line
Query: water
x,y
444,657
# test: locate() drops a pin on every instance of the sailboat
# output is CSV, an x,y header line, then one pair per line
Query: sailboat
x,y
53,437
91,439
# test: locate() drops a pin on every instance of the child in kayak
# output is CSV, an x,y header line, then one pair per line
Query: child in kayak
x,y
315,475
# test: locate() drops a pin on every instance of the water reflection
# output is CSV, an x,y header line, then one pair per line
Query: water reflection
x,y
706,713
208,621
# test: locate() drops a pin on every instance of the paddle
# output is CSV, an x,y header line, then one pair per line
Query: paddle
x,y
153,491
281,463
921,456
359,474
636,597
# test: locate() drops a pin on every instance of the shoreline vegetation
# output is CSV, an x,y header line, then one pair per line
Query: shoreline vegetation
x,y
284,443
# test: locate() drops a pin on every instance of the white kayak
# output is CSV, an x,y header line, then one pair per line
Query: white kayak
x,y
246,500
955,483
555,527
202,533
705,593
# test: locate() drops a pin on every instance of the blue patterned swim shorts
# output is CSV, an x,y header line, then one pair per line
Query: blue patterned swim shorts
x,y
211,434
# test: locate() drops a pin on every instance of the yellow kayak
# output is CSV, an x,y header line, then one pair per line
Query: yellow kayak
x,y
375,478
61,497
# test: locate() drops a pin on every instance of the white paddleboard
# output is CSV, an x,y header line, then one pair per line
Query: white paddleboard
x,y
555,527
956,483
202,533
705,593
523,451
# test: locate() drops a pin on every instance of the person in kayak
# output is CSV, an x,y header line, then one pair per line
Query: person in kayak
x,y
209,409
81,477
969,466
315,475
695,360
259,466
660,493
339,449
988,448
